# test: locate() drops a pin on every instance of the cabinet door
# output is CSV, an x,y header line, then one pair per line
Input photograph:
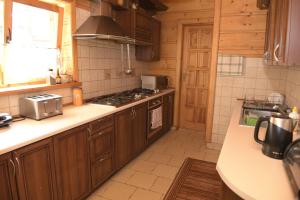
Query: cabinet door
x,y
139,129
72,163
36,171
168,112
8,189
102,169
151,53
123,137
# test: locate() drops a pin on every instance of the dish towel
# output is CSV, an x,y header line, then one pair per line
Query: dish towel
x,y
156,119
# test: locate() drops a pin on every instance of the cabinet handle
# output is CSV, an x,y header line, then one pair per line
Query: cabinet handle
x,y
19,166
275,53
89,131
14,167
101,160
101,133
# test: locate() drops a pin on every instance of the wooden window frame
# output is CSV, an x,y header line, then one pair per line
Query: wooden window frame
x,y
39,85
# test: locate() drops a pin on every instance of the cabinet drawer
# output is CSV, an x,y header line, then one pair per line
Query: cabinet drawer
x,y
155,101
101,170
101,143
101,123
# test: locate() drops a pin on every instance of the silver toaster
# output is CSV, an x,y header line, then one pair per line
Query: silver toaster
x,y
41,106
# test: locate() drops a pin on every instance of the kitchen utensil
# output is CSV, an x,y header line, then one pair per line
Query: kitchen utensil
x,y
291,163
5,119
278,136
128,71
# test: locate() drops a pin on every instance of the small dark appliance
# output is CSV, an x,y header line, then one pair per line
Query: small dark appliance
x,y
5,119
291,164
278,136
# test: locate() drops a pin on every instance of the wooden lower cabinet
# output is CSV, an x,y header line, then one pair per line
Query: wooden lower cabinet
x,y
130,134
8,189
72,162
139,129
168,112
35,171
123,137
102,153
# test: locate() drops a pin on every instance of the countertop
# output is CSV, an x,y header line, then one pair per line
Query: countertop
x,y
244,168
28,131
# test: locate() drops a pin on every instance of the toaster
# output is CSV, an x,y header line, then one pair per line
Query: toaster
x,y
41,106
154,82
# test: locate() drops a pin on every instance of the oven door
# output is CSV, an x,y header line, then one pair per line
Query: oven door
x,y
155,121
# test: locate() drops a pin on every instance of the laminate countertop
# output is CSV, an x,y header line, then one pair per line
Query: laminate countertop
x,y
244,168
28,131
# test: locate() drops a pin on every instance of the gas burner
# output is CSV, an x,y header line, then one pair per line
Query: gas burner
x,y
122,98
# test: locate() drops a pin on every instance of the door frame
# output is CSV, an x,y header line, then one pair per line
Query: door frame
x,y
215,22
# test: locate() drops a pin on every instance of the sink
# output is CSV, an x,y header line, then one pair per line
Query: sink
x,y
249,117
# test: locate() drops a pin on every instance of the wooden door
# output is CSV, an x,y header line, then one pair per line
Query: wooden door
x,y
139,129
72,163
35,171
8,189
195,76
123,137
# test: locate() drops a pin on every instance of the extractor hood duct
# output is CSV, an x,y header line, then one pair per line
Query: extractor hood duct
x,y
100,25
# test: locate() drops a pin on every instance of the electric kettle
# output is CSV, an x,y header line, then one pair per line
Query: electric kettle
x,y
278,136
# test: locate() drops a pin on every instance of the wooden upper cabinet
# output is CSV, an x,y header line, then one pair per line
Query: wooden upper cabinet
x,y
8,189
72,162
282,45
35,171
151,52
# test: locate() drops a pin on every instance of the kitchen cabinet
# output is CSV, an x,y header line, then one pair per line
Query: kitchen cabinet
x,y
8,188
139,128
168,111
130,133
101,150
282,45
35,171
72,160
152,52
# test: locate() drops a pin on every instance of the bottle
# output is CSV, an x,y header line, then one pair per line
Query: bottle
x,y
77,97
50,80
294,115
58,77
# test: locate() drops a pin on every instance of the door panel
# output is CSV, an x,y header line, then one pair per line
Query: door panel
x,y
139,129
195,76
73,163
36,171
123,137
8,190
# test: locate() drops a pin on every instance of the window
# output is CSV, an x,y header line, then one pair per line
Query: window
x,y
36,32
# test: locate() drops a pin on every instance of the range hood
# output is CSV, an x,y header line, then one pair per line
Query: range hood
x,y
100,25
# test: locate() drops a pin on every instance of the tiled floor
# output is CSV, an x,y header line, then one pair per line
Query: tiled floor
x,y
150,175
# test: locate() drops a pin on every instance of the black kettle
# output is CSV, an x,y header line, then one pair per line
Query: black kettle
x,y
278,136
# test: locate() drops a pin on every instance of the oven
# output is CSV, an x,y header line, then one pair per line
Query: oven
x,y
155,118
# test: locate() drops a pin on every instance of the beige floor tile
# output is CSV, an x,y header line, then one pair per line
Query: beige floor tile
x,y
145,155
161,185
142,180
123,175
143,166
212,156
160,158
200,155
177,161
118,191
165,171
141,194
95,197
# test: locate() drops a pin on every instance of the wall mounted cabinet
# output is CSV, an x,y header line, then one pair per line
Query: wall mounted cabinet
x,y
283,29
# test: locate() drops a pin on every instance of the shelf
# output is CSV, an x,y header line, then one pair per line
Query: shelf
x,y
35,88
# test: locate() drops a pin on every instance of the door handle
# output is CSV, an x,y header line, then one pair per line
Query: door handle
x,y
275,53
